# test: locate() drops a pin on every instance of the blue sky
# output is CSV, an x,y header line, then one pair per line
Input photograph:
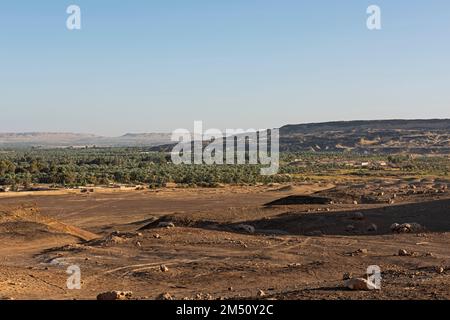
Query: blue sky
x,y
158,65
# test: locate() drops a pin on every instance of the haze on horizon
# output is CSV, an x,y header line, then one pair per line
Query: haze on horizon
x,y
161,65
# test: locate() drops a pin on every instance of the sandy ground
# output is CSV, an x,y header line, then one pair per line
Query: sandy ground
x,y
298,251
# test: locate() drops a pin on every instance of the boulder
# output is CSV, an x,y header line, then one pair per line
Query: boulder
x,y
360,284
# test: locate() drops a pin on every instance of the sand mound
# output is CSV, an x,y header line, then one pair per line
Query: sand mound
x,y
27,221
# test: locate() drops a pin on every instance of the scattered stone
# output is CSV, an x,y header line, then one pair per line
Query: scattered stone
x,y
405,253
163,268
360,284
165,296
358,252
115,295
355,202
245,227
407,228
201,296
138,244
261,293
372,228
294,265
165,224
157,236
440,270
347,276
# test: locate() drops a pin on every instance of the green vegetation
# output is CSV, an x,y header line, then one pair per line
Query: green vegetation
x,y
103,166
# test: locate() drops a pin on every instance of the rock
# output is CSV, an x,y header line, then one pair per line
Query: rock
x,y
358,252
245,227
261,293
356,216
201,296
347,276
412,227
440,270
115,295
163,268
394,226
403,253
165,296
315,233
156,236
372,228
355,202
350,228
7,298
166,224
294,265
360,284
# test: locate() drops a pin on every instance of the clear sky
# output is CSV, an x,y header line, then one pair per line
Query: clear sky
x,y
158,65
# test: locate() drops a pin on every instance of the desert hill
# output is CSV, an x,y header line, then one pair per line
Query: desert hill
x,y
59,139
377,136
372,136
